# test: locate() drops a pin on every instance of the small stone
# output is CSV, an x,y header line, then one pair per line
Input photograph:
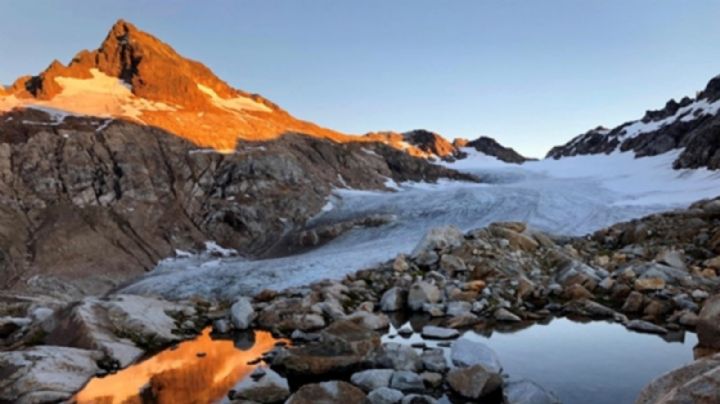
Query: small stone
x,y
433,332
400,264
221,326
645,326
634,303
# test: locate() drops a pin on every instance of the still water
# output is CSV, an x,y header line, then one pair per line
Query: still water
x,y
586,363
201,370
591,363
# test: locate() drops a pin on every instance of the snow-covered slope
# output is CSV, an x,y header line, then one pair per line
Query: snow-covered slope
x,y
570,196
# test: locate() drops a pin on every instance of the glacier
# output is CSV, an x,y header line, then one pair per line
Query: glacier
x,y
571,196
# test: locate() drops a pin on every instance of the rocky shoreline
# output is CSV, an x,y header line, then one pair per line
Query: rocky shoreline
x,y
656,275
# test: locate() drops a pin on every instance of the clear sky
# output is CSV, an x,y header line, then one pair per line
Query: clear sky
x,y
531,73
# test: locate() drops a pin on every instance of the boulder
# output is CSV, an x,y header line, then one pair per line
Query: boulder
x,y
407,381
342,347
708,323
439,238
465,353
242,313
384,395
372,379
399,357
268,388
121,326
473,382
452,264
422,293
45,373
433,359
393,299
698,382
332,392
368,320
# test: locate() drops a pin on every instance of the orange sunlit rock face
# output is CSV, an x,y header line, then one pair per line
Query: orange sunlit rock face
x,y
179,375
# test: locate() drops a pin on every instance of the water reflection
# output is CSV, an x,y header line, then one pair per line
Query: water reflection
x,y
201,370
582,362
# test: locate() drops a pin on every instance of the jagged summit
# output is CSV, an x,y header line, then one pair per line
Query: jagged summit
x,y
136,76
691,124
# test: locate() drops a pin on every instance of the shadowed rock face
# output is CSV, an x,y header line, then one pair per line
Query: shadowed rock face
x,y
692,124
100,201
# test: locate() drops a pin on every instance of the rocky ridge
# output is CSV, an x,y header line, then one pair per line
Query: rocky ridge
x,y
691,124
99,201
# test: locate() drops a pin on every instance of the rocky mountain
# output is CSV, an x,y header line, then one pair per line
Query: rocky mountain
x,y
692,124
420,143
491,147
130,152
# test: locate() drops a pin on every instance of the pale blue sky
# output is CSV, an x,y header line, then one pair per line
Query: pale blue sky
x,y
532,74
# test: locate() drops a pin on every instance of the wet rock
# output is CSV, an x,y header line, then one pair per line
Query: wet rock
x,y
433,359
473,382
384,395
393,299
527,392
399,357
698,382
507,316
332,392
407,381
708,323
372,379
45,373
645,326
422,293
433,332
465,353
269,388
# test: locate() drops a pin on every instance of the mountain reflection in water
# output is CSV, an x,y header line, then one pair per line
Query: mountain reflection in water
x,y
179,375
